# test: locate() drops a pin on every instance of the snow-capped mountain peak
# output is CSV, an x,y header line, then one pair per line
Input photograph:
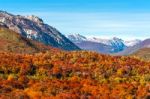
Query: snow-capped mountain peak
x,y
111,45
34,28
76,37
110,41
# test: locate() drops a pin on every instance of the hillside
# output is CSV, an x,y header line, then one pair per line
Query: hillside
x,y
73,75
34,28
133,49
143,53
11,41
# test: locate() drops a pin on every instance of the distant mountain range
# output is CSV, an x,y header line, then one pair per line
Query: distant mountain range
x,y
133,49
106,46
34,28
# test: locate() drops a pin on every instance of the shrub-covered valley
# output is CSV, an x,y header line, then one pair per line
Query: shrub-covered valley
x,y
72,75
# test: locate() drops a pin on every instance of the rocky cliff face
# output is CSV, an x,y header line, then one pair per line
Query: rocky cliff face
x,y
34,28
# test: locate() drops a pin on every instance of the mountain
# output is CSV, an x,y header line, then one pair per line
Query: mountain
x,y
34,28
94,46
141,45
132,42
107,46
76,38
143,53
11,41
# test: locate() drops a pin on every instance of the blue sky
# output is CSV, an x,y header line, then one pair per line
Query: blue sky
x,y
127,19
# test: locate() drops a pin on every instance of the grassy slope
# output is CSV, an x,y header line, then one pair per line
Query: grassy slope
x,y
143,53
13,42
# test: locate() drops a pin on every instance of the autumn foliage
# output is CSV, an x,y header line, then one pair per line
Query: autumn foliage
x,y
73,75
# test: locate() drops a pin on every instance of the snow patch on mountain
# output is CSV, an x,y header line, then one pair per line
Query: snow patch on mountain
x,y
76,38
110,41
114,44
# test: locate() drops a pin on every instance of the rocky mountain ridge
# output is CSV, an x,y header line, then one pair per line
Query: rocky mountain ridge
x,y
34,28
